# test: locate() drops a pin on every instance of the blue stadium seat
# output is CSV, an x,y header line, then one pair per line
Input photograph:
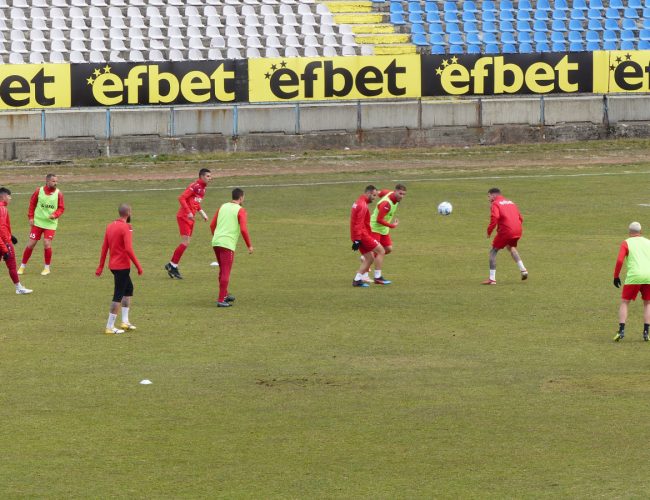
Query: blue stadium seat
x,y
610,45
646,4
644,45
470,28
433,17
593,36
596,4
616,4
594,14
450,7
645,13
526,6
437,49
506,26
612,25
509,48
559,14
591,46
644,35
491,48
575,37
415,18
524,15
525,37
611,13
397,18
436,29
508,37
524,26
420,40
489,6
415,7
489,27
525,48
543,5
456,39
629,24
595,25
456,49
542,47
578,14
558,25
540,26
452,28
557,37
418,29
473,49
580,4
437,39
469,17
541,15
576,47
431,6
506,5
473,39
540,37
469,6
451,17
631,13
506,15
610,36
396,8
628,45
490,38
488,16
575,25
628,36
558,47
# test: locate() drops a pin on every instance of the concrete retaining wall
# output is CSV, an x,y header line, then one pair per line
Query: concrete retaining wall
x,y
62,134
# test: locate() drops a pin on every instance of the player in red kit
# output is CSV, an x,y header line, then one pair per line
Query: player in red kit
x,y
118,241
505,217
7,242
190,204
361,235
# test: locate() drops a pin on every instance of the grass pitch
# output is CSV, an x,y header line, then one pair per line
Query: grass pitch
x,y
432,387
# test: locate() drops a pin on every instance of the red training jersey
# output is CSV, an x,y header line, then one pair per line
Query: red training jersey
x,y
623,252
384,207
118,241
242,218
505,216
5,228
191,198
360,219
34,200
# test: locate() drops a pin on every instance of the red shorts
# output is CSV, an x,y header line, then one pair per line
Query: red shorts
x,y
368,244
631,291
185,225
505,240
384,239
35,233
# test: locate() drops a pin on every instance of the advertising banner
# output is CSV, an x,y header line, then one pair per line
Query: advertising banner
x,y
28,86
506,74
622,71
335,78
187,82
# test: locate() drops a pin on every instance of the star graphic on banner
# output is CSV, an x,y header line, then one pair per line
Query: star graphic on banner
x,y
283,64
267,75
107,69
439,71
97,72
445,63
612,67
618,59
90,80
454,60
274,67
628,57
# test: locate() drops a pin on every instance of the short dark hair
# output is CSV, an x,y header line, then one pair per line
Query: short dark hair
x,y
370,188
49,176
401,187
204,171
4,190
494,191
123,209
237,193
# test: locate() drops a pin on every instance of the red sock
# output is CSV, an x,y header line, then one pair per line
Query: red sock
x,y
27,254
48,256
178,253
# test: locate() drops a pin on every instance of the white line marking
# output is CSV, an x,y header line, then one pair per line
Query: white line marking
x,y
362,181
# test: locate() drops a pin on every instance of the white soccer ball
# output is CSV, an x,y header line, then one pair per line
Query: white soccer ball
x,y
445,208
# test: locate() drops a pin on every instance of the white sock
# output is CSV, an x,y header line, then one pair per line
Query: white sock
x,y
377,273
125,314
111,321
173,265
47,266
18,285
23,265
358,277
522,268
493,274
365,276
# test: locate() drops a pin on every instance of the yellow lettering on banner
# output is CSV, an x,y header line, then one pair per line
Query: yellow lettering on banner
x,y
24,86
480,73
455,79
537,74
563,68
108,89
155,95
625,71
219,77
133,82
196,87
273,80
500,70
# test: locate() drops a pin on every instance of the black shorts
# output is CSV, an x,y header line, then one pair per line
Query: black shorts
x,y
123,284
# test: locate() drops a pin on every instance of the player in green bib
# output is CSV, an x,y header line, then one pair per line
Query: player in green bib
x,y
228,222
635,251
382,220
45,208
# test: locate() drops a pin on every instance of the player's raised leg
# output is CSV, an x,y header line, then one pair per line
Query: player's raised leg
x,y
515,256
379,253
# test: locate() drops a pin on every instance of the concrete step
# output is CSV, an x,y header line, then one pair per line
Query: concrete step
x,y
394,49
349,6
368,29
358,18
383,39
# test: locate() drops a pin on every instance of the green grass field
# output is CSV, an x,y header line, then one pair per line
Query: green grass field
x,y
433,387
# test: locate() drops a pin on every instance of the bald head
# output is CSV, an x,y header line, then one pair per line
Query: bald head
x,y
634,228
124,210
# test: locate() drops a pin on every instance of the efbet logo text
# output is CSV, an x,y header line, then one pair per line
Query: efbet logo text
x,y
325,80
630,74
493,75
146,84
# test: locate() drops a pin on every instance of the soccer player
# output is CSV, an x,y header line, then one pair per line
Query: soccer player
x,y
228,222
7,241
505,217
383,220
45,208
118,241
190,204
361,236
636,252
